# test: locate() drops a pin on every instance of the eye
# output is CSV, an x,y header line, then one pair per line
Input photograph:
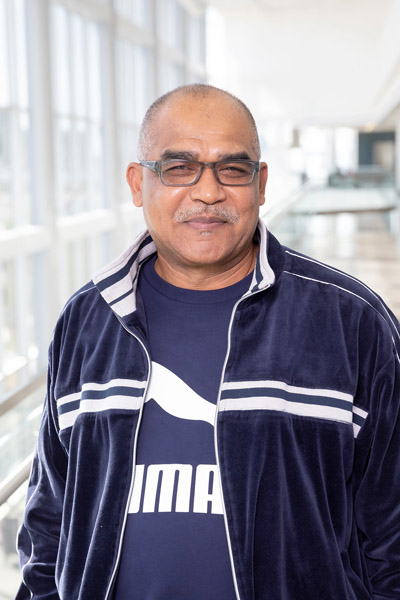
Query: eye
x,y
235,169
179,167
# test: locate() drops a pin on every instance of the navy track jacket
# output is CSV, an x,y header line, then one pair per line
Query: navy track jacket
x,y
307,436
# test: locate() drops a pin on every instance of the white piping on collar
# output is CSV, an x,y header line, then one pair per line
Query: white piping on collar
x,y
117,281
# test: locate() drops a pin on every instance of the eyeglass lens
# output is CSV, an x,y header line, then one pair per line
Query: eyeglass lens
x,y
179,172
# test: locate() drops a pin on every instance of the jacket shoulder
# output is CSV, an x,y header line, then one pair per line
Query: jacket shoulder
x,y
88,292
357,295
84,307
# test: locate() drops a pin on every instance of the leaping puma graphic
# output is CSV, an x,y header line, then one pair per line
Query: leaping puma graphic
x,y
176,398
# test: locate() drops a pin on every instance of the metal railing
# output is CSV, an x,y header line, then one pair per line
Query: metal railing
x,y
272,215
14,398
17,477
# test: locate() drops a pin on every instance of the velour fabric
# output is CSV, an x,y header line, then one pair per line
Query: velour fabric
x,y
307,436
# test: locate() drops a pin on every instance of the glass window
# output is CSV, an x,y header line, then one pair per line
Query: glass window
x,y
179,14
54,259
78,46
171,23
195,37
125,68
144,81
21,175
137,11
6,219
20,54
134,81
5,96
15,170
61,55
76,255
83,258
10,358
94,72
171,76
18,433
78,113
134,76
21,300
99,252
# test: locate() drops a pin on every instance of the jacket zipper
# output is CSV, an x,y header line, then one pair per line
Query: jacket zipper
x,y
216,437
114,571
215,446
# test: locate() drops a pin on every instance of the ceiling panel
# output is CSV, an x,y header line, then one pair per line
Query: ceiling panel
x,y
330,61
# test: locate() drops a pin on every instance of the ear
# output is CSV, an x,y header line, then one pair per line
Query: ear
x,y
263,178
134,177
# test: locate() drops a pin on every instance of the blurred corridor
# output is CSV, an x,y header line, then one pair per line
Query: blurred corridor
x,y
76,76
356,231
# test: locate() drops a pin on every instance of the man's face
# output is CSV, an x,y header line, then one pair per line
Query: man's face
x,y
207,225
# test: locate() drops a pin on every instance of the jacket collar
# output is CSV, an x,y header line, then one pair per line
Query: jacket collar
x,y
263,275
117,282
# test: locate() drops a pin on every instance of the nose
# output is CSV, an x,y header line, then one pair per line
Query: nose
x,y
207,189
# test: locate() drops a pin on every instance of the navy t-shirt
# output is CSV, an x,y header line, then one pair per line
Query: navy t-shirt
x,y
175,543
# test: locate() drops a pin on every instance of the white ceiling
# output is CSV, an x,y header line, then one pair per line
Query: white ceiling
x,y
334,62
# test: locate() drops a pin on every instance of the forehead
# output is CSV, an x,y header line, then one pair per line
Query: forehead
x,y
212,126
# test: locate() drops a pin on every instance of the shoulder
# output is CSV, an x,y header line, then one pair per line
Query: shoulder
x,y
84,298
340,290
88,291
82,311
311,271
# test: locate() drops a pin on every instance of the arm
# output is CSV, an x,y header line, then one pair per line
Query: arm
x,y
377,499
38,538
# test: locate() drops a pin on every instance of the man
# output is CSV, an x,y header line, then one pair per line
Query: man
x,y
222,412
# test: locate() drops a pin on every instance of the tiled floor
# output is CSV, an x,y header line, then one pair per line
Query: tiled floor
x,y
364,241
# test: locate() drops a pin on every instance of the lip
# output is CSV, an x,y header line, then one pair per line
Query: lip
x,y
205,223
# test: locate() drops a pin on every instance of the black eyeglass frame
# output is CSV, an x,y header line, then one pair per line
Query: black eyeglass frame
x,y
156,166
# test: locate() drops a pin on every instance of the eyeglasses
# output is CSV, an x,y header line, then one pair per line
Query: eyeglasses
x,y
188,172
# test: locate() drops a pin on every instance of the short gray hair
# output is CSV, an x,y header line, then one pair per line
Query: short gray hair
x,y
194,90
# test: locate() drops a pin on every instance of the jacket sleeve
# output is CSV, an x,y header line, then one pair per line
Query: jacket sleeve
x,y
38,538
377,500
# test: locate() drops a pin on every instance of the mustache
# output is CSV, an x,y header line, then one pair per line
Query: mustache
x,y
227,214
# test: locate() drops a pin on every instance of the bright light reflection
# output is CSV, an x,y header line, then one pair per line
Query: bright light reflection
x,y
79,55
61,60
346,148
20,39
4,75
95,95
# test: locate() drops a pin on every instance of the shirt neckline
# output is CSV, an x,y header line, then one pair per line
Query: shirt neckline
x,y
231,292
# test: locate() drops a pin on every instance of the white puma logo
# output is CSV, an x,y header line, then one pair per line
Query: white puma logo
x,y
204,479
177,398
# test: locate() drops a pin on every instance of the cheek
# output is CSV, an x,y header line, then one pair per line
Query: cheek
x,y
159,207
249,206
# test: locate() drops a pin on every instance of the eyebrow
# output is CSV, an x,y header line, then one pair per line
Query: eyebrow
x,y
187,155
177,155
235,156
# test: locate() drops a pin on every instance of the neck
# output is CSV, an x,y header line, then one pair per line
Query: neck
x,y
207,277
